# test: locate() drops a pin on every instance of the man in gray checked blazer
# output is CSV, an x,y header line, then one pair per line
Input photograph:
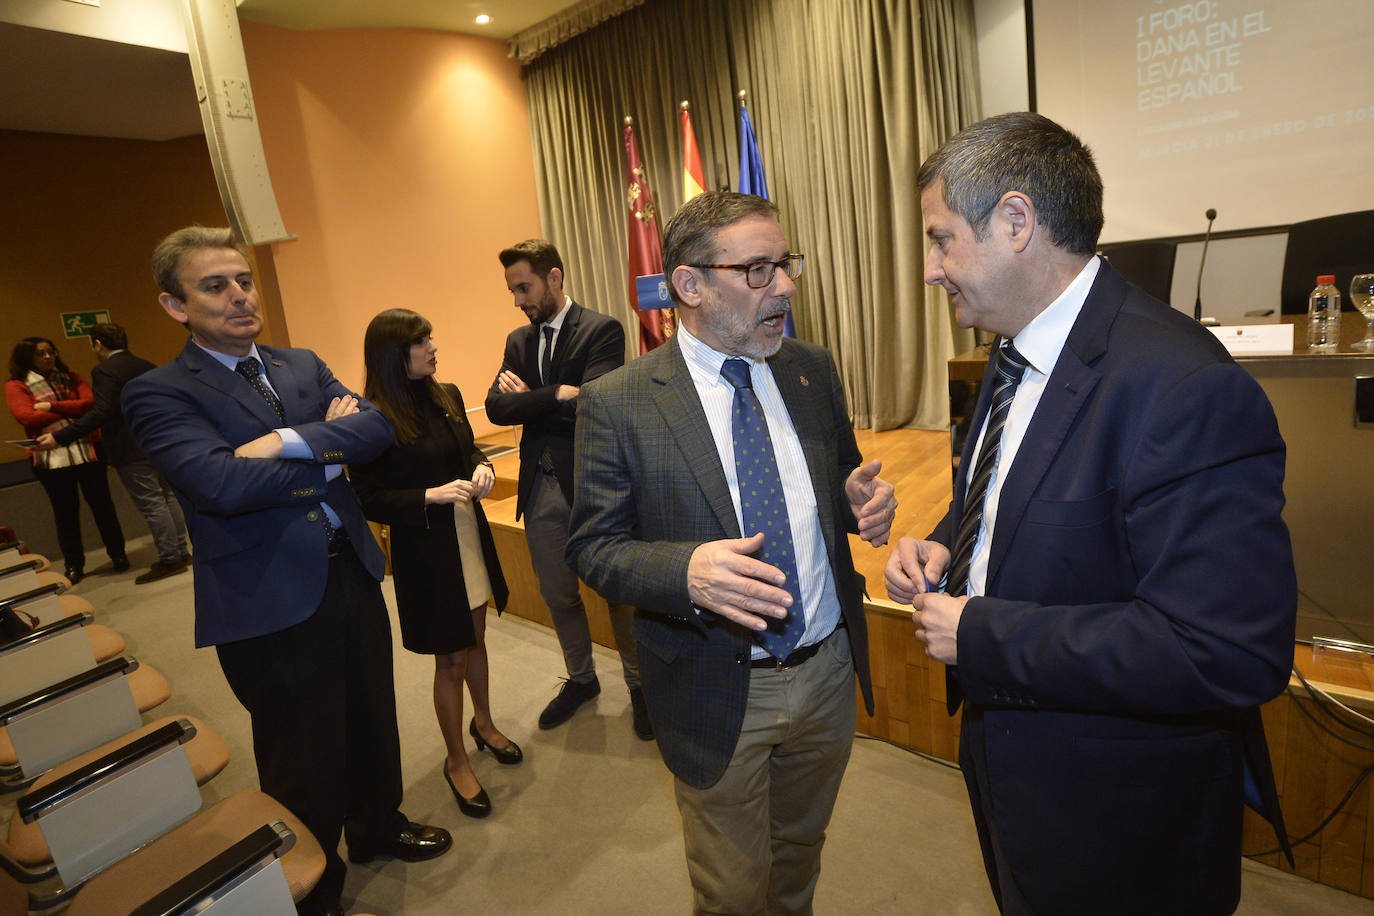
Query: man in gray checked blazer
x,y
758,741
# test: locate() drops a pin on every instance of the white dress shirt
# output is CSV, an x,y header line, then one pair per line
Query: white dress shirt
x,y
817,583
551,343
1040,342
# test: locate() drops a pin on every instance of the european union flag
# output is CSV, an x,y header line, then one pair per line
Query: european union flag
x,y
751,179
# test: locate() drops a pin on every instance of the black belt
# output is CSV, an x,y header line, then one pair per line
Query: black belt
x,y
338,541
796,656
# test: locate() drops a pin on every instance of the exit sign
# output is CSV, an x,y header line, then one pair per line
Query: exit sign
x,y
79,324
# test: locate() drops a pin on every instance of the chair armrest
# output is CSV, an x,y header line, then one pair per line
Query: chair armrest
x,y
274,839
51,588
32,806
21,566
115,667
44,631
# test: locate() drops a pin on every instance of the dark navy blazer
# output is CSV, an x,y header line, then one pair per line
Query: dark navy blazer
x,y
261,556
1140,605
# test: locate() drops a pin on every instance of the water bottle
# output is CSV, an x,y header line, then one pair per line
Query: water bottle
x,y
1324,315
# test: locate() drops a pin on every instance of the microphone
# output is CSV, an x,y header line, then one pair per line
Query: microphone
x,y
1211,214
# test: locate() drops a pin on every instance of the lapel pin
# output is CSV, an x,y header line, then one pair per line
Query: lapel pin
x,y
805,383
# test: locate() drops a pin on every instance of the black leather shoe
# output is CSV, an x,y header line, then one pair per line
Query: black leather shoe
x,y
415,843
640,712
74,575
121,564
510,755
570,697
478,806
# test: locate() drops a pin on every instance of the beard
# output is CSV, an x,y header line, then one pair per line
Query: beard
x,y
548,307
738,333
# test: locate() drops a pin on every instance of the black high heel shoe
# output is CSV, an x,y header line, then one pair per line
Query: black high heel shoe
x,y
509,755
478,806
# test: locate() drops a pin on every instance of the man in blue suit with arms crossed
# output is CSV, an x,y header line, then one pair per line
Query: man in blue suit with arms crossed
x,y
253,439
1120,595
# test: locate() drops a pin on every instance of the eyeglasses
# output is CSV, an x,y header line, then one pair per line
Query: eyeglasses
x,y
760,274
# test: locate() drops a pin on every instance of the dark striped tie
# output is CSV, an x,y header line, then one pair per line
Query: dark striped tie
x,y
763,505
1009,368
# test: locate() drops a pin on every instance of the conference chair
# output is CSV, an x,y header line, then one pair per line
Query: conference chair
x,y
206,754
42,655
196,861
1342,245
42,604
1149,265
127,825
247,879
21,575
73,715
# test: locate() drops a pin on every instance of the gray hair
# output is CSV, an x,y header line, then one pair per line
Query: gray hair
x,y
691,234
172,251
1027,152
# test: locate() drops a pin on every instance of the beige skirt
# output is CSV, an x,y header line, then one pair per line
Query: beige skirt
x,y
470,552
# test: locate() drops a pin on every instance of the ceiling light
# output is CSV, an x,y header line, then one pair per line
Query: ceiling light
x,y
483,19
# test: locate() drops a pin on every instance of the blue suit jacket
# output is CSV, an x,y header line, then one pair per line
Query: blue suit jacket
x,y
650,489
261,557
1140,605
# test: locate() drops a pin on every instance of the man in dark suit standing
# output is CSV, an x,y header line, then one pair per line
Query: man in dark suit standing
x,y
1120,594
115,368
717,480
546,363
253,439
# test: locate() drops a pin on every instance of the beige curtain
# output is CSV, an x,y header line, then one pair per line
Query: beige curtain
x,y
847,98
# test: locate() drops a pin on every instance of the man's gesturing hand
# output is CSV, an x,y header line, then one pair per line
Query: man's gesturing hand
x,y
723,578
873,501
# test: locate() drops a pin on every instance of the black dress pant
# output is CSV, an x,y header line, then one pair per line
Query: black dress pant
x,y
61,485
323,706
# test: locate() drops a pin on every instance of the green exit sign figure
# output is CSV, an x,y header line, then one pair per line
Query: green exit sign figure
x,y
79,324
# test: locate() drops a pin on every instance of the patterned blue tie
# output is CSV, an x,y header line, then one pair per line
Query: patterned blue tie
x,y
762,503
252,371
1010,367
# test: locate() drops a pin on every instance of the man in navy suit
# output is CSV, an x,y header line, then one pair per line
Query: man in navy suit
x,y
1120,594
545,365
756,730
253,439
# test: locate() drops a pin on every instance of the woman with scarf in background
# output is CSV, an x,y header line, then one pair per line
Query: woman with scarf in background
x,y
44,396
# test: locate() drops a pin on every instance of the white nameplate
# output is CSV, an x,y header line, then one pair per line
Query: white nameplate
x,y
1256,339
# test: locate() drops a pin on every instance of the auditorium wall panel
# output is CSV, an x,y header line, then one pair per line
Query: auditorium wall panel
x,y
82,217
401,159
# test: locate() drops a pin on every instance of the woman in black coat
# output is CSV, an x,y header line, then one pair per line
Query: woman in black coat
x,y
428,488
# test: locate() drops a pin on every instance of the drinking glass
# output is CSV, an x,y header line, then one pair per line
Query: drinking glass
x,y
1362,294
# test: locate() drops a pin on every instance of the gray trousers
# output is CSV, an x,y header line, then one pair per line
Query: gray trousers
x,y
754,839
159,507
546,532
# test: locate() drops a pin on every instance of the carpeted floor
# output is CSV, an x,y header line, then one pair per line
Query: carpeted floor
x,y
587,824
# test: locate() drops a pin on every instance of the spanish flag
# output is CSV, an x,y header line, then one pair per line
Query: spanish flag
x,y
692,181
